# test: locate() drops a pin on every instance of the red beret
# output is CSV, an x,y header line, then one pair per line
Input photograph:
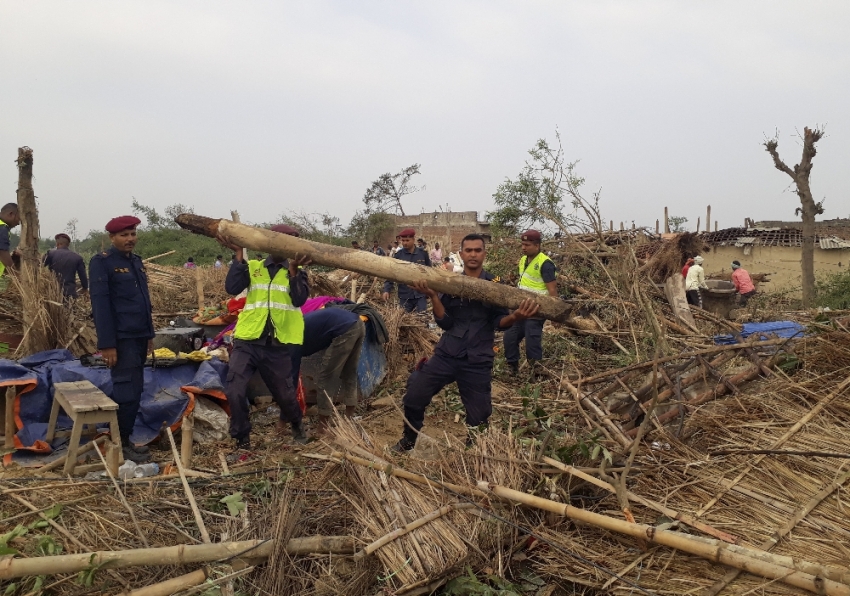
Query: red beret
x,y
62,235
285,229
407,232
531,235
119,224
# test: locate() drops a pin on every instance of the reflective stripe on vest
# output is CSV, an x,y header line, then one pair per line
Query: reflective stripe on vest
x,y
269,298
2,266
530,277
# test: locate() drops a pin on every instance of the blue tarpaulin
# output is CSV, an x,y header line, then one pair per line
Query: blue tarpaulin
x,y
763,331
168,394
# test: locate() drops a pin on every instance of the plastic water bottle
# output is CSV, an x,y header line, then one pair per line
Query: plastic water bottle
x,y
127,469
144,470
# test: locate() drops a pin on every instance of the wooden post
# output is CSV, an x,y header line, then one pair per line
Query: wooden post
x,y
9,414
715,225
199,285
708,218
29,232
354,290
657,228
666,221
611,226
621,226
187,431
697,225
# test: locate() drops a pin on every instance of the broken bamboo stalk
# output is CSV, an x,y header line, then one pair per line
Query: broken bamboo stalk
x,y
153,258
182,554
671,513
782,532
189,494
370,264
781,568
603,418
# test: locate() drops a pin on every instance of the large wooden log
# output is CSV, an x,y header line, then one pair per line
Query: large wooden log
x,y
171,555
367,263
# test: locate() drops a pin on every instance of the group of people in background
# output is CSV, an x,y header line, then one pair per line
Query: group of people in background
x,y
694,276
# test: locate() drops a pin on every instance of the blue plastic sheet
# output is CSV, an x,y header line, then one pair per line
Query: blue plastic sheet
x,y
163,400
764,331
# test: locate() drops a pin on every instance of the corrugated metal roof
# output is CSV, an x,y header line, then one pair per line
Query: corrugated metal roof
x,y
832,242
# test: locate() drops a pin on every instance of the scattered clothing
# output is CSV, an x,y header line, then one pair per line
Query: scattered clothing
x,y
67,265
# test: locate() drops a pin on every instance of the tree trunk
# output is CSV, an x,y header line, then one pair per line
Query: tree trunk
x,y
367,263
807,255
29,233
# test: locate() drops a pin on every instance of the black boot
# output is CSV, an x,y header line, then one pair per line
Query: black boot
x,y
406,443
514,367
135,454
298,434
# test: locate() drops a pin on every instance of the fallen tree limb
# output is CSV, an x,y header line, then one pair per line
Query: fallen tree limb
x,y
370,264
182,554
819,579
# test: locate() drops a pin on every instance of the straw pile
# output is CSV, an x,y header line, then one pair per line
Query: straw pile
x,y
410,338
671,256
56,323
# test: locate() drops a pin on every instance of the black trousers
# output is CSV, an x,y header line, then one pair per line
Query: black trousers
x,y
128,382
473,382
694,297
532,331
414,304
744,298
275,366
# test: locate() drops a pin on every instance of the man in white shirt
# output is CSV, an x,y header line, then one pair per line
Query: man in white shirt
x,y
695,282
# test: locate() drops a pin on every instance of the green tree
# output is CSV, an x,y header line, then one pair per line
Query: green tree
x,y
547,189
156,221
677,223
370,226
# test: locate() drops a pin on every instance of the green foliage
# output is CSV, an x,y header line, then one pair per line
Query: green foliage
x,y
586,447
546,190
47,547
87,576
833,291
6,538
367,226
156,221
234,503
470,585
677,223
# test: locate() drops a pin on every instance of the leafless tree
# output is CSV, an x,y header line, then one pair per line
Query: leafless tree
x,y
808,207
385,194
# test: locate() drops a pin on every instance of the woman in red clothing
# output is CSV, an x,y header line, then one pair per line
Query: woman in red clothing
x,y
687,266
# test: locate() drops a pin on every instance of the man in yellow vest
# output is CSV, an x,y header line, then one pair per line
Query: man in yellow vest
x,y
9,218
537,275
270,322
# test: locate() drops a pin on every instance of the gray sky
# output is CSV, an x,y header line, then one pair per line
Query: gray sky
x,y
274,106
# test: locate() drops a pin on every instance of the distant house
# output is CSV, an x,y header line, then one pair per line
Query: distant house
x,y
446,227
776,248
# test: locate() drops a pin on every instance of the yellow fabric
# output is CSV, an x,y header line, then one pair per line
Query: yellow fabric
x,y
269,298
164,353
196,356
530,277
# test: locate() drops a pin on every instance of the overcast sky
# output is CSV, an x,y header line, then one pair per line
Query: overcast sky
x,y
268,107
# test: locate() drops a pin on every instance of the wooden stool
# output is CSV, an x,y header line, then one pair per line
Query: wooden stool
x,y
84,404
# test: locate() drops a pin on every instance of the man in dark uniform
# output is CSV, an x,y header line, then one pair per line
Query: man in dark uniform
x,y
10,218
537,274
410,299
268,326
121,307
465,351
67,265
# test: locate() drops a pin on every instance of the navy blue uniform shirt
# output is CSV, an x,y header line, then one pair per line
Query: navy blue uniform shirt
x,y
120,301
469,327
4,238
323,325
67,265
238,279
418,256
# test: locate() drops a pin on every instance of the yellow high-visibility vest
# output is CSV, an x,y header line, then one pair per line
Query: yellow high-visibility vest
x,y
266,298
530,277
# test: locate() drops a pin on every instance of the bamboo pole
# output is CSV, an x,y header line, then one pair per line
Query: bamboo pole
x,y
124,501
366,263
768,544
182,554
153,258
187,437
784,569
682,517
189,494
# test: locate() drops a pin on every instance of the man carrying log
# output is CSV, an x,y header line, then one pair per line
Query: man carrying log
x,y
410,299
121,306
464,353
67,265
269,324
538,275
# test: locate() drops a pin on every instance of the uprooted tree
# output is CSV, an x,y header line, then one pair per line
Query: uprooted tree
x,y
385,193
808,207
